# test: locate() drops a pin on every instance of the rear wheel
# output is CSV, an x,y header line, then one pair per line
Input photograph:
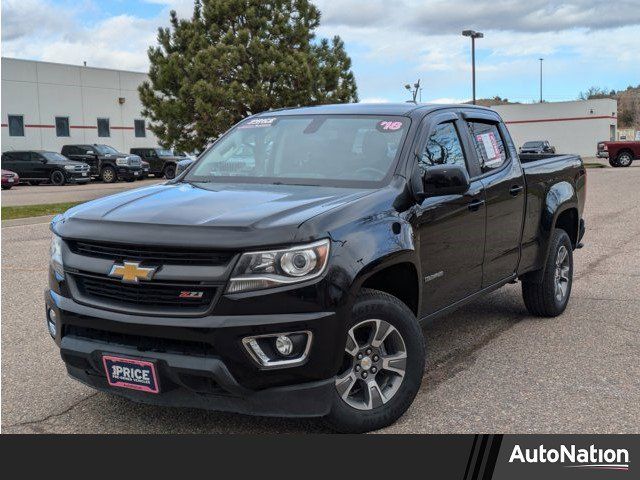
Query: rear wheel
x,y
549,297
57,178
624,159
382,367
170,172
108,174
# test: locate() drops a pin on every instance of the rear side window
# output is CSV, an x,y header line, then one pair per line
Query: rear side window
x,y
443,147
16,126
488,144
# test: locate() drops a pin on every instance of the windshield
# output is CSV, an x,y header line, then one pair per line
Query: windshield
x,y
311,149
532,144
163,152
106,150
54,157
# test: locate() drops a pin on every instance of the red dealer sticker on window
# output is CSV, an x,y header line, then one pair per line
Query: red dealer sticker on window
x,y
259,123
389,125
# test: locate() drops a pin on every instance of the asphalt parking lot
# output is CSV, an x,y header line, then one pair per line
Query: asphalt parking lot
x,y
491,367
41,194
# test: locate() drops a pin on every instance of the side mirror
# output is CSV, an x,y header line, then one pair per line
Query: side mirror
x,y
43,160
445,180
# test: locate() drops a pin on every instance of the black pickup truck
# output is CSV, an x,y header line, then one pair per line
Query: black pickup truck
x,y
287,271
106,162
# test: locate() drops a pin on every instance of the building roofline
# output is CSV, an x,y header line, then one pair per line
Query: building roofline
x,y
74,65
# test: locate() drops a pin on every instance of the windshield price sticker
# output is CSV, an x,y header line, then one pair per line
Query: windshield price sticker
x,y
389,125
259,123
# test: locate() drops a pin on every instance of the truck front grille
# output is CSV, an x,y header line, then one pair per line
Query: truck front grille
x,y
152,297
154,254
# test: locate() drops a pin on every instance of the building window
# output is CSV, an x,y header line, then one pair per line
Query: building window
x,y
62,127
16,125
139,128
103,127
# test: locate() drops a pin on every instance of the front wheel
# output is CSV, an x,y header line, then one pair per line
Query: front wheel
x,y
624,159
57,178
383,365
549,297
108,175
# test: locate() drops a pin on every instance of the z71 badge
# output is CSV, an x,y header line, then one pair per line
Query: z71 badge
x,y
187,294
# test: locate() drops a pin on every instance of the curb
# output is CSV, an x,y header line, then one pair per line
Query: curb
x,y
17,222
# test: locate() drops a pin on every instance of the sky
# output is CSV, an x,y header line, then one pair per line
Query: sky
x,y
583,43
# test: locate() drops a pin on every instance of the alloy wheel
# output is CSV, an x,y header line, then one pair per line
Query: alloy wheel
x,y
374,365
57,178
624,160
561,275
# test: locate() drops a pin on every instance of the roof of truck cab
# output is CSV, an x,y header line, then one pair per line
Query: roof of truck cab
x,y
367,109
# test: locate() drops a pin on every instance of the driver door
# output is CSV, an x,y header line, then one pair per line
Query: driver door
x,y
451,227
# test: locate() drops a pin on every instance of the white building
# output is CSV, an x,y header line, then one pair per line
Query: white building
x,y
47,105
572,127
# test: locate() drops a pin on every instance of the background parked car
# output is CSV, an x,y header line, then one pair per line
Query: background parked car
x,y
537,146
38,166
620,154
106,162
9,179
162,161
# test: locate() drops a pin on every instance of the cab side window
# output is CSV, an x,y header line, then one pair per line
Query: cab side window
x,y
443,147
489,145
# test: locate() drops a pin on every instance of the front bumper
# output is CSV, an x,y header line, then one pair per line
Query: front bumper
x,y
77,177
129,173
201,361
602,154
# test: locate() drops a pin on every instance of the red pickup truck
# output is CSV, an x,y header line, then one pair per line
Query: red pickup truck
x,y
620,154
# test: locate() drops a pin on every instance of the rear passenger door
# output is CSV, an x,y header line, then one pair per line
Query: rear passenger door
x,y
21,164
451,227
502,177
38,166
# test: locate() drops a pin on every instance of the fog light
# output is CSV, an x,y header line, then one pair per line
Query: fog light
x,y
279,350
284,345
51,322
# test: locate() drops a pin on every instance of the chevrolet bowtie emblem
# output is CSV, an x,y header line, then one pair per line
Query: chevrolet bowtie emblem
x,y
132,272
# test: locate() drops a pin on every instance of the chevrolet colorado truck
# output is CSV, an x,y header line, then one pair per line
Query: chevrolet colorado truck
x,y
287,271
620,154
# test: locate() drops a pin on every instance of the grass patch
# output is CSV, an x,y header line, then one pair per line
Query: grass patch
x,y
594,165
24,211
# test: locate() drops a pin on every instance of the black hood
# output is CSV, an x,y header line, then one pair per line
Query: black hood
x,y
206,215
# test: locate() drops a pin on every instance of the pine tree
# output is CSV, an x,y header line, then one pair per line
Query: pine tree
x,y
234,58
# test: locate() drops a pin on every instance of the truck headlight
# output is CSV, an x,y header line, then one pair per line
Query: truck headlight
x,y
122,162
273,268
70,167
56,256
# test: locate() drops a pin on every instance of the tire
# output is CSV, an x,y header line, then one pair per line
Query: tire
x,y
355,411
549,298
625,159
170,172
614,162
6,187
57,178
108,175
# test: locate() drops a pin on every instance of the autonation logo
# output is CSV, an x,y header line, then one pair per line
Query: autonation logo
x,y
592,457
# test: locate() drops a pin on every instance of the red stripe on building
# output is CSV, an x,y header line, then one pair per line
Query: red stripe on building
x,y
122,128
82,126
568,119
39,126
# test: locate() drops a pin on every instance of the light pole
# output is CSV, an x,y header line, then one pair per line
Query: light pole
x,y
541,59
473,34
414,91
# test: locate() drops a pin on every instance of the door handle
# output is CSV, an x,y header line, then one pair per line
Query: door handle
x,y
515,190
475,205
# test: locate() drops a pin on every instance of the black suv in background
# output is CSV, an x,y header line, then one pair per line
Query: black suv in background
x,y
162,161
36,166
106,162
537,146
